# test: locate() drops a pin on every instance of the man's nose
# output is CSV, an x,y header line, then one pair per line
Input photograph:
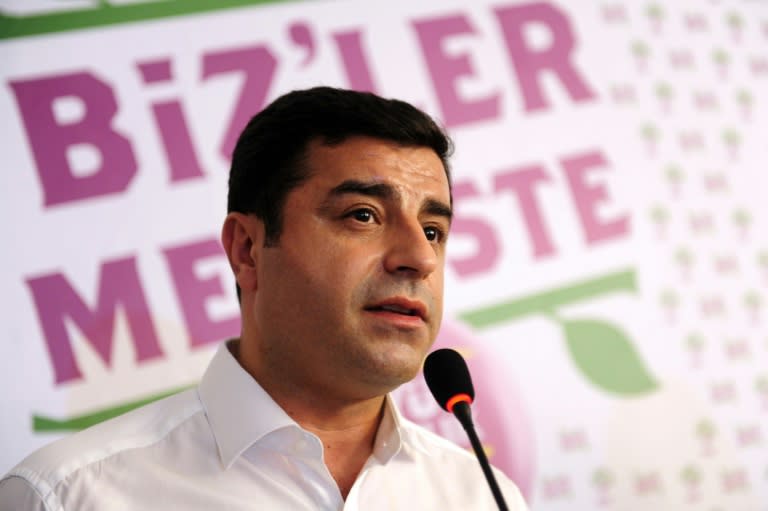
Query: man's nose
x,y
410,252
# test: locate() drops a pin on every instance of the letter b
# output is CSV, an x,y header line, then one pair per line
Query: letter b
x,y
50,138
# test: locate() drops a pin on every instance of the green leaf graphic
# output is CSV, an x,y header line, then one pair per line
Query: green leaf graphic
x,y
606,357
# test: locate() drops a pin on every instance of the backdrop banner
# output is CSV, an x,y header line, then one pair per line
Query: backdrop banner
x,y
607,272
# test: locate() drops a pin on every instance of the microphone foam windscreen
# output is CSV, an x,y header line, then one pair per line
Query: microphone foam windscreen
x,y
447,375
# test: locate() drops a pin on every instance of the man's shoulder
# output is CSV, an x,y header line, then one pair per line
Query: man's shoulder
x,y
142,427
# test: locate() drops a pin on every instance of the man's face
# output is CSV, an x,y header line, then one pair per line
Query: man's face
x,y
350,298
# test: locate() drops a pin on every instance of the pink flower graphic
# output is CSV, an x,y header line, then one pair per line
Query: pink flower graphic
x,y
504,430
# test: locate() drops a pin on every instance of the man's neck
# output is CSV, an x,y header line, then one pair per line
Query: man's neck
x,y
347,428
348,432
347,449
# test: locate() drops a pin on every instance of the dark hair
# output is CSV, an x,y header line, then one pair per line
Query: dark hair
x,y
268,160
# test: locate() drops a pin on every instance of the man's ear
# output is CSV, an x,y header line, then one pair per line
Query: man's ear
x,y
243,237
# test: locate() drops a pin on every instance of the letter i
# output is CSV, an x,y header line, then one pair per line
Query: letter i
x,y
354,60
169,117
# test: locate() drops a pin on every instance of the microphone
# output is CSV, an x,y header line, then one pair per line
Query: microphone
x,y
449,381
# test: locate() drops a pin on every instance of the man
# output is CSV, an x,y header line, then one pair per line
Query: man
x,y
339,210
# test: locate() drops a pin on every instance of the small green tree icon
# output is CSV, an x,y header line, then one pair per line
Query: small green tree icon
x,y
650,134
721,59
694,343
761,386
684,259
670,301
753,302
762,261
660,217
603,480
675,176
735,22
656,15
745,101
732,140
640,52
691,477
664,93
742,219
706,432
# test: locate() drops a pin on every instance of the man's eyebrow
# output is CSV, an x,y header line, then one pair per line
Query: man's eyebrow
x,y
437,208
371,189
385,191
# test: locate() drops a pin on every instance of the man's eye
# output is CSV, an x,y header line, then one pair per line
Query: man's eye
x,y
432,233
362,215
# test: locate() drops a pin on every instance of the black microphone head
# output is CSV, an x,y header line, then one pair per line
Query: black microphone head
x,y
447,377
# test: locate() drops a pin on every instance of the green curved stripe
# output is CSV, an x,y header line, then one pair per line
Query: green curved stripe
x,y
13,26
47,424
547,301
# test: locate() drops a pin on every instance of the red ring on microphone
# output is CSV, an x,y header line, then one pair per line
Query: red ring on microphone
x,y
458,398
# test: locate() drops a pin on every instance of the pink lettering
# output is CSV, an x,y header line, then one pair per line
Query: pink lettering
x,y
193,292
51,138
258,67
172,124
696,22
522,182
530,62
588,197
447,70
356,67
56,302
759,66
487,245
301,36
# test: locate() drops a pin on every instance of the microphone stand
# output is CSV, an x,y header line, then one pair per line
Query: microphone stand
x,y
463,412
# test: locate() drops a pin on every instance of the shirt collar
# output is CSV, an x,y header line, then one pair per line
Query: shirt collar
x,y
397,435
388,440
240,412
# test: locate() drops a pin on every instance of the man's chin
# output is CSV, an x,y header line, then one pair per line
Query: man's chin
x,y
395,373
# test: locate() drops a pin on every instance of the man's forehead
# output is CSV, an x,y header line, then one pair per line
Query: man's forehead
x,y
376,160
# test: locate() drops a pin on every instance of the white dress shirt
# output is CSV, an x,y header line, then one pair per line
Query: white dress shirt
x,y
227,445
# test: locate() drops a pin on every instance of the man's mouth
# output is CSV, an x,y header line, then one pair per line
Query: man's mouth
x,y
400,306
397,309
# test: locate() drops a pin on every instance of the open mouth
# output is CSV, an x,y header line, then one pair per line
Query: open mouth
x,y
400,306
396,309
